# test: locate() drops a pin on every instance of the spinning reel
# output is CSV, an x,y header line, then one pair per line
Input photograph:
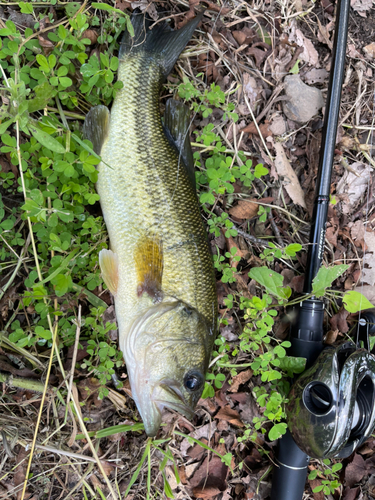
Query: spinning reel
x,y
331,409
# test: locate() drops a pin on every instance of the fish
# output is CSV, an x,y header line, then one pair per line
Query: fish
x,y
159,266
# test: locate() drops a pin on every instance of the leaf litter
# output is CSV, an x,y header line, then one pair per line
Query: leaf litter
x,y
233,51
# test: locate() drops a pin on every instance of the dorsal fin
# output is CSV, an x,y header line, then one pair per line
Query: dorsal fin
x,y
177,123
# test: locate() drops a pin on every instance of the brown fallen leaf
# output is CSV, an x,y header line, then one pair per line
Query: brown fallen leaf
x,y
20,474
370,50
239,379
331,337
355,471
361,6
206,492
123,5
232,416
263,128
239,253
211,474
350,493
245,209
91,35
338,321
290,179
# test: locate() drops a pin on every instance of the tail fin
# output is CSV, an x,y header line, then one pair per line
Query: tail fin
x,y
161,43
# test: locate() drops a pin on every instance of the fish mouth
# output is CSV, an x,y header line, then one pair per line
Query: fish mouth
x,y
173,399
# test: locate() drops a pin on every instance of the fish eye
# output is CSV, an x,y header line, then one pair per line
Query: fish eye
x,y
193,381
187,311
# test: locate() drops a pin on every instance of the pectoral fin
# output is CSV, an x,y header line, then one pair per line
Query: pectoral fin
x,y
108,263
96,126
177,125
148,258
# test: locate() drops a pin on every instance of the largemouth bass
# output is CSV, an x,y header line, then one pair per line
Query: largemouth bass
x,y
159,267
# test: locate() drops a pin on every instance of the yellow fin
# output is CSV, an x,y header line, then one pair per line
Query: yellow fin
x,y
148,258
108,263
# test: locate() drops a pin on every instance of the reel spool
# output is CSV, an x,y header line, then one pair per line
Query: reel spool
x,y
331,409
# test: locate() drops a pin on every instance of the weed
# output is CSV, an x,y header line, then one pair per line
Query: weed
x,y
327,473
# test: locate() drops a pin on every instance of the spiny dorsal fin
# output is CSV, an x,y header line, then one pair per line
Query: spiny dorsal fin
x,y
161,43
108,263
96,126
177,122
148,257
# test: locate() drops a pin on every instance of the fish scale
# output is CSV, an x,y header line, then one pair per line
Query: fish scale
x,y
166,325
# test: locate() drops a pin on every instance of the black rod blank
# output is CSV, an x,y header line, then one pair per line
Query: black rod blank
x,y
327,149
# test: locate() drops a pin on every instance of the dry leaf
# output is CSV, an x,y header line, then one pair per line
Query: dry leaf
x,y
365,237
96,483
331,337
350,493
278,125
91,35
338,321
205,493
146,6
370,49
353,185
245,209
355,471
123,5
20,473
309,54
290,179
253,129
239,379
361,6
232,416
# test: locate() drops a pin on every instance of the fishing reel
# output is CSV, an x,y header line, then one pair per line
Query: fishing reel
x,y
331,409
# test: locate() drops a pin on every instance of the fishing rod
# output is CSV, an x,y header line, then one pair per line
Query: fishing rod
x,y
331,408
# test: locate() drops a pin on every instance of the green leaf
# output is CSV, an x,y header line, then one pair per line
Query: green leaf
x,y
336,467
167,488
65,81
325,277
43,63
44,334
26,8
5,125
272,281
313,475
45,139
277,431
260,170
295,69
62,284
292,249
44,93
72,8
355,302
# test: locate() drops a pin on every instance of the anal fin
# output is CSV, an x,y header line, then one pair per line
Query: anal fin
x,y
96,126
108,263
148,258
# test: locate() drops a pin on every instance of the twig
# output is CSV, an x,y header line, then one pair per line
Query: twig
x,y
275,229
